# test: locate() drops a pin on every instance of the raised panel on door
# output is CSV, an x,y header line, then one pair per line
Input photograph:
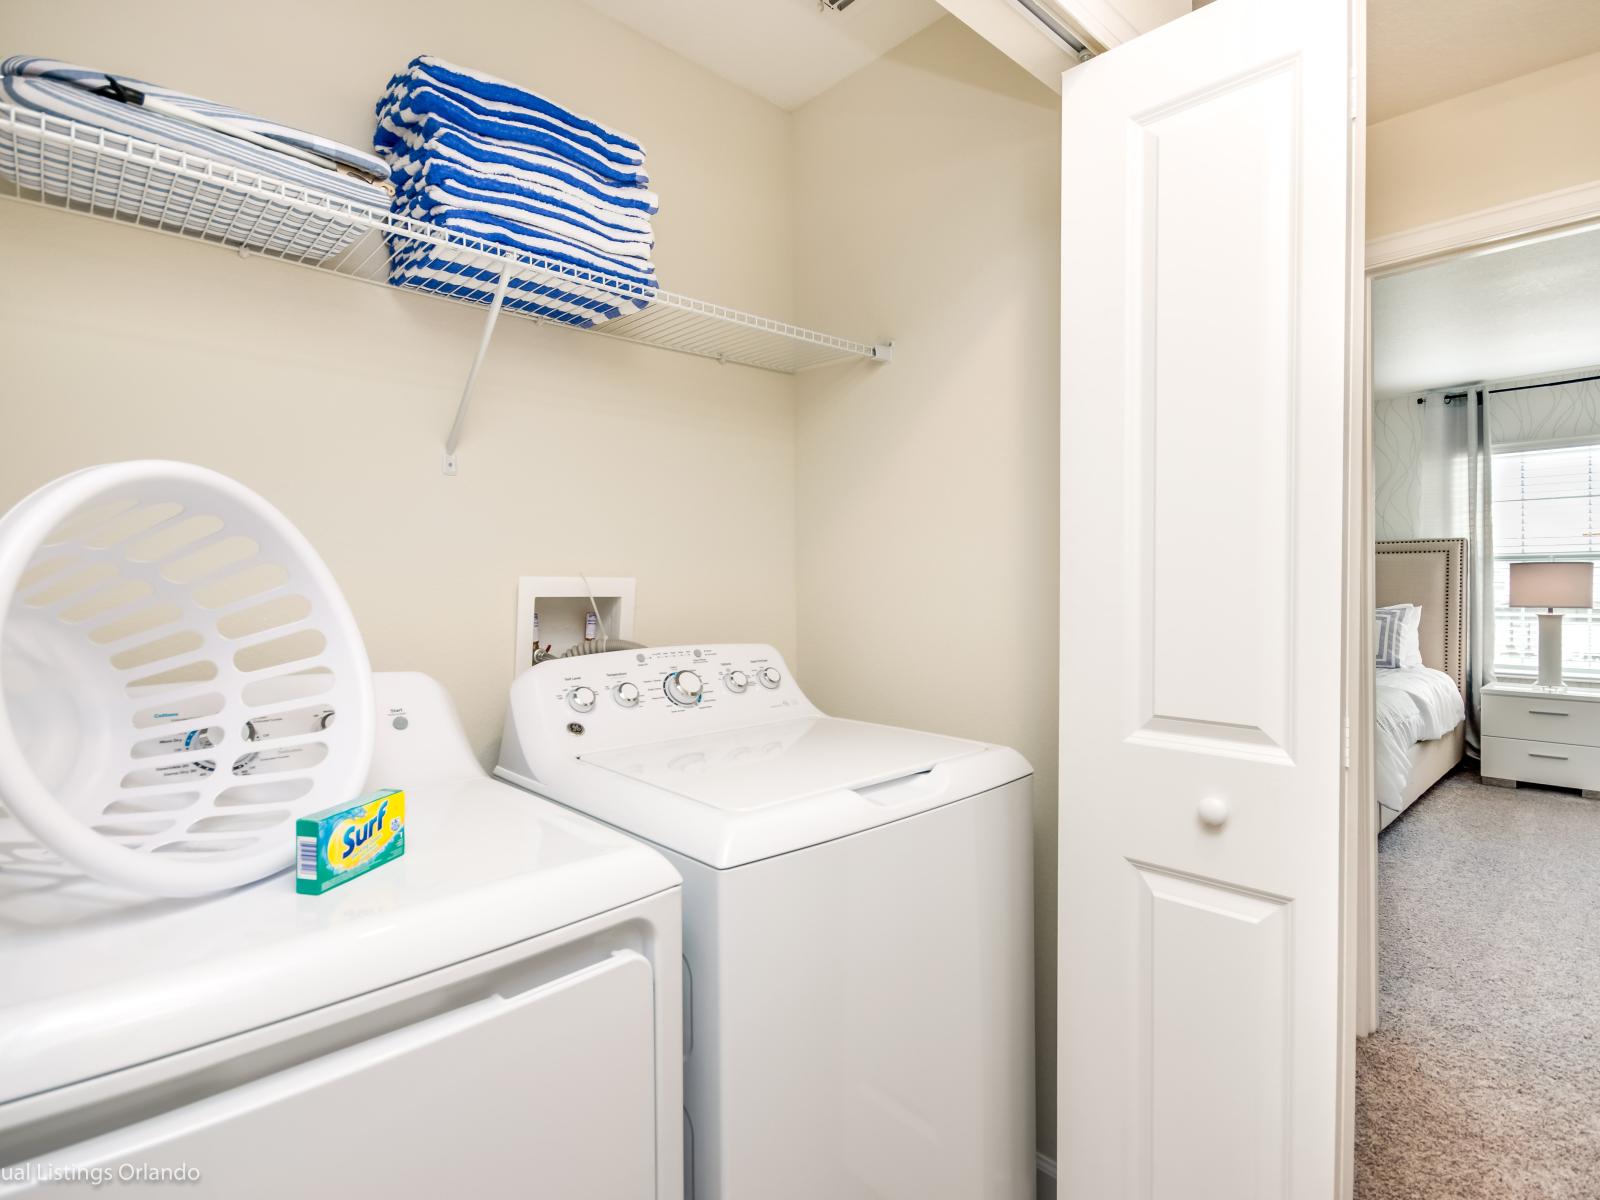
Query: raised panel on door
x,y
1216,964
1214,388
1206,207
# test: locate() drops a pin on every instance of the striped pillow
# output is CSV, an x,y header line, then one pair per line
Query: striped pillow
x,y
1397,641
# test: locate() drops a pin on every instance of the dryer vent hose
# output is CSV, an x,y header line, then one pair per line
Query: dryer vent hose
x,y
601,645
594,646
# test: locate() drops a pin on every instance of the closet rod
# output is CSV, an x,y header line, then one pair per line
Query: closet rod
x,y
1057,28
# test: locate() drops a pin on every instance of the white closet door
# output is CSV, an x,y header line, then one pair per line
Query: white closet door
x,y
1207,223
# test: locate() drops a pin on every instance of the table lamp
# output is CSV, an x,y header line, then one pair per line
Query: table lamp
x,y
1551,585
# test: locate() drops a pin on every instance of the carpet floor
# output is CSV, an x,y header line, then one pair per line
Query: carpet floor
x,y
1483,1080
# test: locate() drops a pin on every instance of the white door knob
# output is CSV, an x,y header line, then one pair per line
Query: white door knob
x,y
1214,811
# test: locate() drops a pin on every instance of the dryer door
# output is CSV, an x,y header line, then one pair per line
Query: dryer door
x,y
546,1092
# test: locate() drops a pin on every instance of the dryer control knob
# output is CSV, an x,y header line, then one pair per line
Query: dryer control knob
x,y
685,688
737,681
626,694
581,699
769,677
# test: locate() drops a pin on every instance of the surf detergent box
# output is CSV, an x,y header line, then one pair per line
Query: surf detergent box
x,y
339,844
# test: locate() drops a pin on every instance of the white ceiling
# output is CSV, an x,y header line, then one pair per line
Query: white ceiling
x,y
1420,52
1524,311
785,50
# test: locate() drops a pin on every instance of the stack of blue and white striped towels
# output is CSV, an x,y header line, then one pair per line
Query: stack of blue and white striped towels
x,y
472,155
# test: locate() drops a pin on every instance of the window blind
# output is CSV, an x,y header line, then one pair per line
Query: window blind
x,y
1546,506
1547,503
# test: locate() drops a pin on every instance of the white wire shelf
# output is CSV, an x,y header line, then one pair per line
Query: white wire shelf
x,y
77,168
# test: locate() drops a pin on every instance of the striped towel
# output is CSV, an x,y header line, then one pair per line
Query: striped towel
x,y
453,271
562,254
406,146
359,162
492,178
504,107
152,190
439,187
410,103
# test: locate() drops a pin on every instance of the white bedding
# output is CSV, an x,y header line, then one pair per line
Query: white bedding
x,y
1415,704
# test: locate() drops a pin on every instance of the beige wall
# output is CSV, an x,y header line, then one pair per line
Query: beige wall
x,y
928,207
332,398
1527,136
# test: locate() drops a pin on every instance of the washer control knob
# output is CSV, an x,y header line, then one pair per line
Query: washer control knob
x,y
685,688
626,694
737,681
769,677
581,699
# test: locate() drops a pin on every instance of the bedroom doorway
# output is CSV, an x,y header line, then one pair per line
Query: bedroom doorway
x,y
1480,1069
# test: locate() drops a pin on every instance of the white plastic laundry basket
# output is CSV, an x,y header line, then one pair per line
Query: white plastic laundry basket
x,y
180,678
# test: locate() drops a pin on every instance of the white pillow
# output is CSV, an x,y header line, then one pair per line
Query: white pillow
x,y
1398,642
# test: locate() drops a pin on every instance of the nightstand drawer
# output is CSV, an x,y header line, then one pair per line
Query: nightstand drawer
x,y
1542,762
1542,719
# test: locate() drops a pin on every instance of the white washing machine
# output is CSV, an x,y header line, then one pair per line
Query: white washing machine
x,y
498,1011
858,920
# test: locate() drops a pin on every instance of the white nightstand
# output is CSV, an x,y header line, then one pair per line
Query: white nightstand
x,y
1542,735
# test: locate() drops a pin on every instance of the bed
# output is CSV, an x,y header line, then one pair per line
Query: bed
x,y
1421,726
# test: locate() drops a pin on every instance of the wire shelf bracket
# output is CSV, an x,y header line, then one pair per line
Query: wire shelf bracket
x,y
66,165
453,438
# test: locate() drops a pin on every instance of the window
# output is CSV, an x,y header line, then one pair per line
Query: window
x,y
1546,506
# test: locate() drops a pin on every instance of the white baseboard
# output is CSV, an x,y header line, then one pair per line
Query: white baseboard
x,y
1046,1176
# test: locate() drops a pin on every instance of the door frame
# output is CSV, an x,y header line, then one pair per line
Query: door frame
x,y
1534,218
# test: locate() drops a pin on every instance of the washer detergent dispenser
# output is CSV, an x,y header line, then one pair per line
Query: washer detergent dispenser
x,y
858,919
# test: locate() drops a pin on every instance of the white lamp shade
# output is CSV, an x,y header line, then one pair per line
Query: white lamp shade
x,y
1552,585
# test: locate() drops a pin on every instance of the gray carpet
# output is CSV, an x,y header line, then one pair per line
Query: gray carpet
x,y
1483,1082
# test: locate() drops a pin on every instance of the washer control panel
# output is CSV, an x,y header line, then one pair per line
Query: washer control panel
x,y
627,697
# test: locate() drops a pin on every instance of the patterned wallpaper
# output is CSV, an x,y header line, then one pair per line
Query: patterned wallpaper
x,y
1549,414
1407,486
1397,467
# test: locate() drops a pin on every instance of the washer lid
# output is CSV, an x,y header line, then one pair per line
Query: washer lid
x,y
96,979
738,770
737,796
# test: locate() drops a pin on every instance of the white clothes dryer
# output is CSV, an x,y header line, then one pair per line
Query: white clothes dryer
x,y
858,919
497,1012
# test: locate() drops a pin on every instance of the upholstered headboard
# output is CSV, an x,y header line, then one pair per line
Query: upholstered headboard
x,y
1431,572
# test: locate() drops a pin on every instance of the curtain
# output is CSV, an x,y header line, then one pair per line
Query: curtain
x,y
1454,499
